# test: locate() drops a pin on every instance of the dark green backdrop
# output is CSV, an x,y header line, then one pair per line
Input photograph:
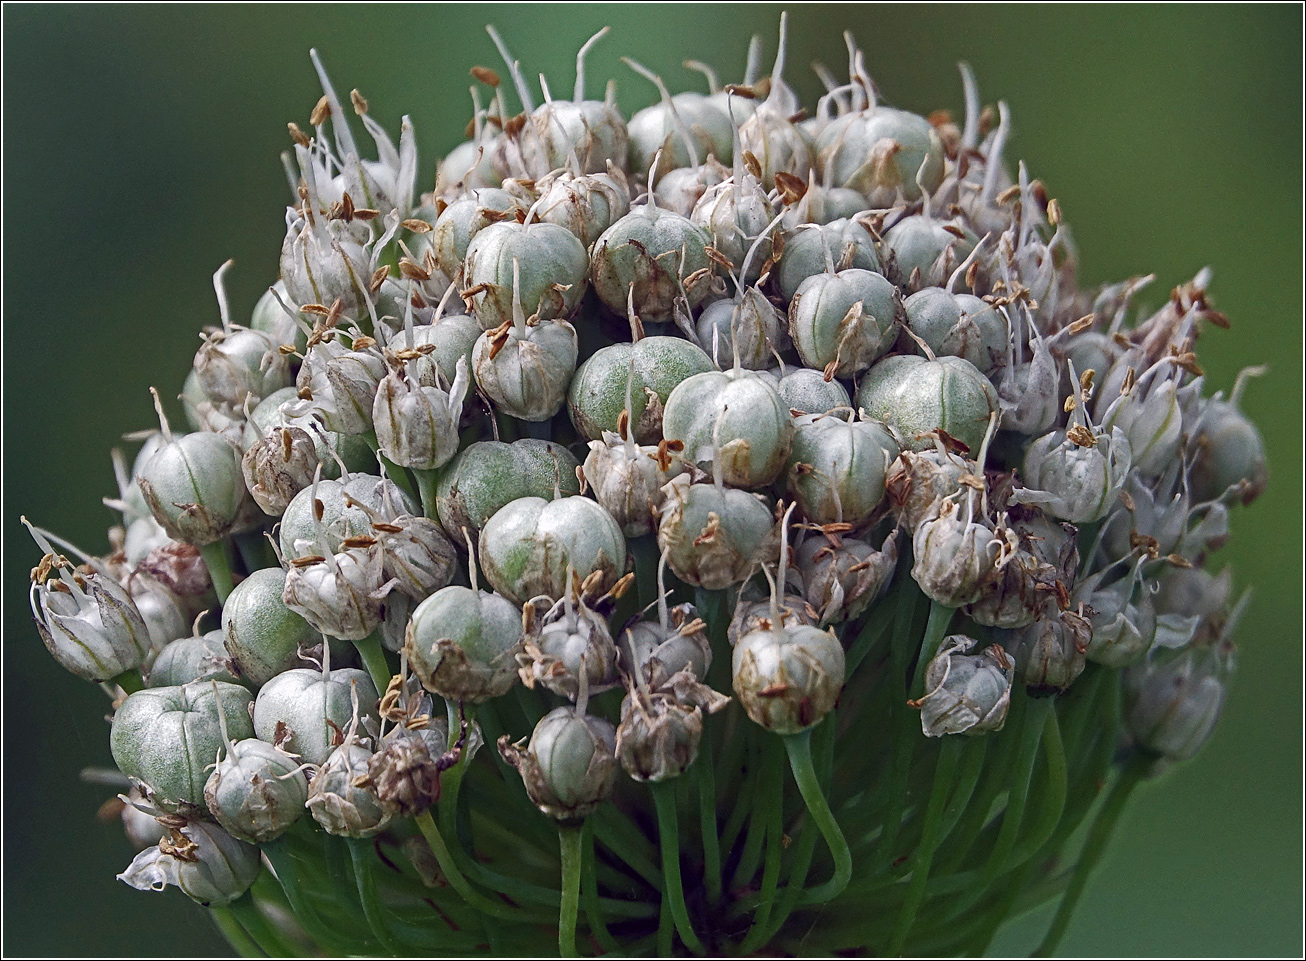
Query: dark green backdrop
x,y
141,151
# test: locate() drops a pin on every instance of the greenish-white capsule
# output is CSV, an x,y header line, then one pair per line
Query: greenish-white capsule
x,y
462,644
272,411
736,213
167,736
788,678
553,271
806,391
714,536
1076,474
417,425
1174,698
660,254
837,466
658,651
209,865
922,252
194,488
303,711
917,395
809,250
340,520
956,553
734,420
959,325
262,636
338,805
281,324
840,323
655,128
438,346
278,466
529,546
337,386
488,474
627,479
189,659
570,766
747,328
586,204
1229,454
843,575
596,398
256,792
966,693
526,370
886,154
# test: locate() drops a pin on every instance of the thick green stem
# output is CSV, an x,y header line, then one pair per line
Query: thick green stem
x,y
455,876
930,837
569,838
1094,847
706,778
215,559
360,852
900,650
283,864
799,747
236,935
1052,798
935,629
373,657
664,799
590,892
877,623
426,487
268,936
392,470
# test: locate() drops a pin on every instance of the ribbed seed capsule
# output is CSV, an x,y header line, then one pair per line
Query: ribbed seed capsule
x,y
487,475
919,395
570,765
965,693
305,712
842,322
209,865
261,635
256,792
337,804
837,467
546,264
735,419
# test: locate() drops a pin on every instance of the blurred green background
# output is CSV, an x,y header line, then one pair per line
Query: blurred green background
x,y
141,152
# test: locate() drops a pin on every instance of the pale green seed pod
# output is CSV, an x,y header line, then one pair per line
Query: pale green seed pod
x,y
917,395
956,553
1173,699
965,693
627,480
714,536
1049,653
736,213
885,153
747,328
735,420
303,711
256,792
192,659
167,736
278,466
809,250
352,449
921,252
194,488
476,484
843,575
340,521
959,325
439,345
568,646
262,636
528,548
526,370
270,318
806,391
1229,454
236,364
570,765
679,190
337,804
655,128
788,678
462,644
596,398
463,219
585,205
660,255
204,861
1076,475
657,652
467,167
88,622
340,594
553,271
337,386
837,468
1124,620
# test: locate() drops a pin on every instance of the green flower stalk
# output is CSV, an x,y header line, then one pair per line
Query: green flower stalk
x,y
944,543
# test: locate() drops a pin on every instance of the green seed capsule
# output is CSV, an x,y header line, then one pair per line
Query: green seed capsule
x,y
809,251
256,792
463,644
304,710
597,396
965,693
788,678
735,419
167,736
209,865
261,634
570,765
657,253
477,483
553,272
917,395
837,466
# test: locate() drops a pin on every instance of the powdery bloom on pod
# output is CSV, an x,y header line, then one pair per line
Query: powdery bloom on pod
x,y
812,249
788,678
261,634
713,535
306,712
837,467
204,861
542,267
842,322
965,693
489,474
747,327
256,792
528,548
918,395
570,766
463,644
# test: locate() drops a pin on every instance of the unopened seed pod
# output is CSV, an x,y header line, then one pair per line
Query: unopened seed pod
x,y
167,736
713,535
735,420
809,250
837,466
788,678
462,644
570,765
552,272
194,487
337,804
596,398
305,711
261,635
657,253
917,395
256,792
886,154
1173,699
488,474
189,659
965,693
959,325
